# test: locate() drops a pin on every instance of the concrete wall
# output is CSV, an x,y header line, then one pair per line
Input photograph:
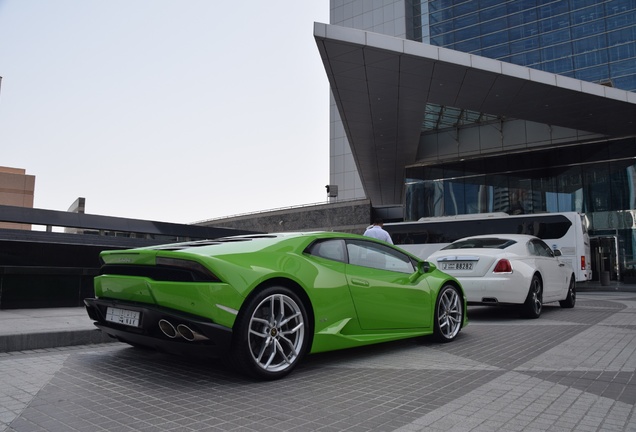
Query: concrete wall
x,y
347,216
386,17
16,189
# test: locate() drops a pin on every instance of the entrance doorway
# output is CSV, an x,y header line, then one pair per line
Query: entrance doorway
x,y
605,258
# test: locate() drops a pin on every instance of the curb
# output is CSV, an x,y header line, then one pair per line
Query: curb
x,y
34,341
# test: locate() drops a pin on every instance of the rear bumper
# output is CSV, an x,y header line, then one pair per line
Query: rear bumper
x,y
212,340
495,290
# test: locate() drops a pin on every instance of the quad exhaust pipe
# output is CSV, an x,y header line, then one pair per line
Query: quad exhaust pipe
x,y
180,330
188,334
168,329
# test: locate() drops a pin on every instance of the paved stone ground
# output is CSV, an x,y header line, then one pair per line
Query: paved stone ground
x,y
570,370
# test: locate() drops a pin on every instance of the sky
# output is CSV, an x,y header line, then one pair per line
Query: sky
x,y
167,110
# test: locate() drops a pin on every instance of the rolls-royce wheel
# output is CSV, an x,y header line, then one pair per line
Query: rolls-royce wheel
x,y
534,302
570,300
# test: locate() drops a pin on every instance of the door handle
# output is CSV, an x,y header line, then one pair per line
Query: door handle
x,y
360,282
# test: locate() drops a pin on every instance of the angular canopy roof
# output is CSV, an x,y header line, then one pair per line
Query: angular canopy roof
x,y
382,84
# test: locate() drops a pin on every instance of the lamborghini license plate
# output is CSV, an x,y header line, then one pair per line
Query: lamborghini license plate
x,y
123,316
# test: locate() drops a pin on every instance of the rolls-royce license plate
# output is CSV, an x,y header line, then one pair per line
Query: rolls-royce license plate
x,y
458,266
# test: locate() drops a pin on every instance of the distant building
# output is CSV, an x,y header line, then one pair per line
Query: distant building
x,y
446,107
16,189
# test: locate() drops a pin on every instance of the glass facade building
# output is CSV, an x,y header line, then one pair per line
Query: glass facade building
x,y
589,40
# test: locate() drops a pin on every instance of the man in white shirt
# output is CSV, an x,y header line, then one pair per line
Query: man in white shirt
x,y
376,231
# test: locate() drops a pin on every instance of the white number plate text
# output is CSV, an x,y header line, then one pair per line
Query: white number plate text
x,y
123,316
457,266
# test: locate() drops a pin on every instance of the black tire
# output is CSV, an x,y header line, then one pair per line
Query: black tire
x,y
570,300
271,334
534,302
449,314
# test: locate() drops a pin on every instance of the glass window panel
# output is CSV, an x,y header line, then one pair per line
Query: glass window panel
x,y
520,5
575,4
621,68
520,193
625,82
592,186
434,199
493,39
524,45
622,185
529,15
475,167
584,30
595,152
561,66
621,36
550,24
614,7
593,58
591,13
557,52
515,20
553,8
569,190
415,205
467,33
436,31
593,74
466,7
500,201
622,19
539,192
555,37
452,170
588,44
497,52
493,13
434,6
468,46
454,202
523,31
475,201
494,26
435,17
444,40
515,33
488,3
526,59
596,182
465,21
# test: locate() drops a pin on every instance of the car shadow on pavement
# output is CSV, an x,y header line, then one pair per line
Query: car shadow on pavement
x,y
220,371
183,370
502,313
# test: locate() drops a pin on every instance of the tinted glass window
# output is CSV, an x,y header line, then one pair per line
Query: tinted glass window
x,y
374,255
539,248
329,249
446,232
479,243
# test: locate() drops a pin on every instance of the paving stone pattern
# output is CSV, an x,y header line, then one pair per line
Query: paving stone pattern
x,y
570,370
